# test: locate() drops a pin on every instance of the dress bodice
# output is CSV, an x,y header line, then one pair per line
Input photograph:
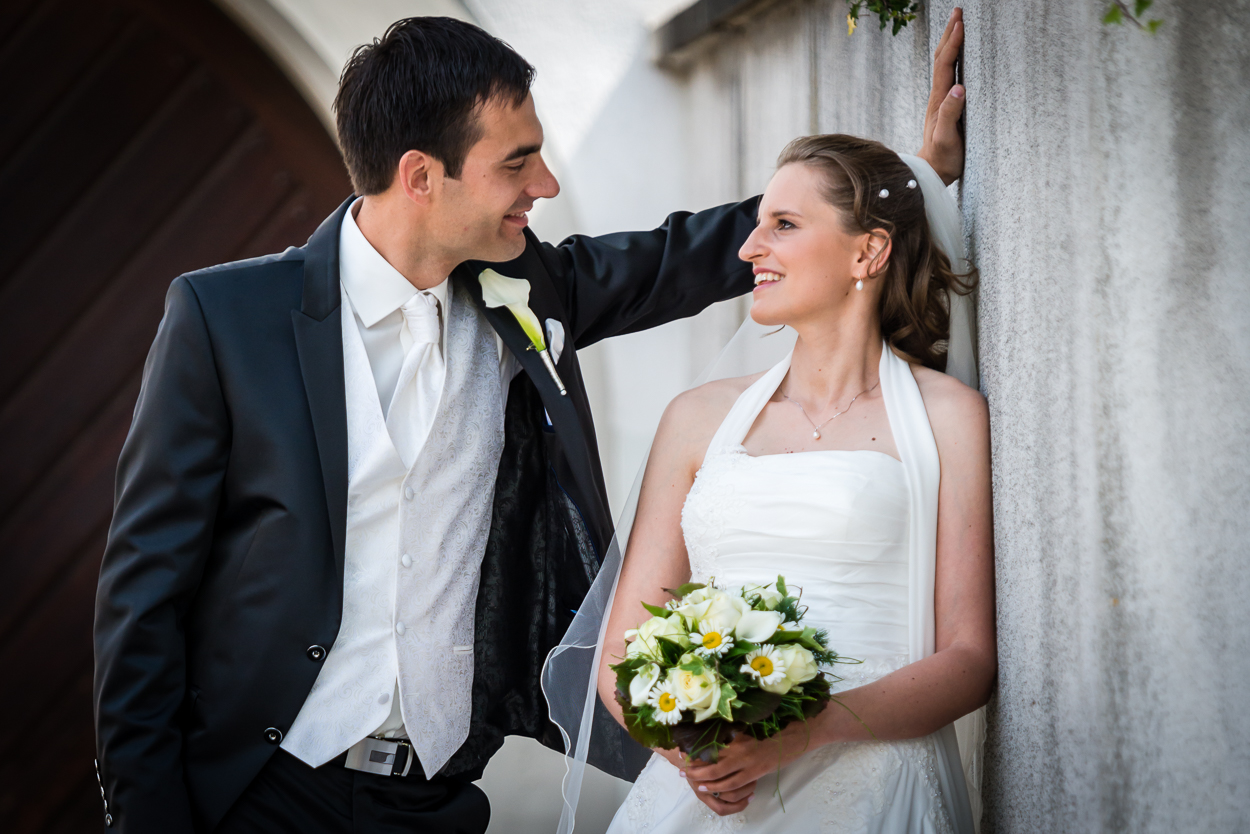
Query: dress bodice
x,y
833,523
856,531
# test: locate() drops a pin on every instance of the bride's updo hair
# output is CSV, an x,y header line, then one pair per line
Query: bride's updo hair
x,y
915,316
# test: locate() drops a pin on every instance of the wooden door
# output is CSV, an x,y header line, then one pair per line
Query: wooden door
x,y
139,139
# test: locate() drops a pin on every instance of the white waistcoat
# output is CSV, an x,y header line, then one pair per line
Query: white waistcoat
x,y
414,547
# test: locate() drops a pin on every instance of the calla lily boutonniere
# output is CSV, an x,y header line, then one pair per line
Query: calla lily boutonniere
x,y
514,293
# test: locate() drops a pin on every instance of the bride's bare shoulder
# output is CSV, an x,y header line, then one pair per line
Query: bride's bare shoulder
x,y
694,415
958,414
711,399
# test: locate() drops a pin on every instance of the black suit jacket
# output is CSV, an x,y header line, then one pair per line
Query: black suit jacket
x,y
224,563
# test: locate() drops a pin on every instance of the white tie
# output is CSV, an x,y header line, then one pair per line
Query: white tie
x,y
420,383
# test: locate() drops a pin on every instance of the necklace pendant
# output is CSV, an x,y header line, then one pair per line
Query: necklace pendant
x,y
816,435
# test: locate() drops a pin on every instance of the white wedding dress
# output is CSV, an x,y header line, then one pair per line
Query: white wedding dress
x,y
855,530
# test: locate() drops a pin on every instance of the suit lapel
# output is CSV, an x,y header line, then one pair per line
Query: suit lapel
x,y
561,409
319,342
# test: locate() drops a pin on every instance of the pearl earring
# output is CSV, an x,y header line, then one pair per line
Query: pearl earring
x,y
859,285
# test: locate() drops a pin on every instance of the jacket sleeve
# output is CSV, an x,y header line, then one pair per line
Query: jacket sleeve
x,y
169,480
629,281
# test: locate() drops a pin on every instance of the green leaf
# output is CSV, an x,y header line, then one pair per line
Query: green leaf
x,y
632,664
727,696
644,730
702,740
671,650
656,610
694,667
781,586
1139,7
1113,15
1153,26
757,705
688,588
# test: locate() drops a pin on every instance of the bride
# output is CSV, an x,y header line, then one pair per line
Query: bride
x,y
858,470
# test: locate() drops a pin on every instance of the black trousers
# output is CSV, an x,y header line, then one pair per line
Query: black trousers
x,y
289,796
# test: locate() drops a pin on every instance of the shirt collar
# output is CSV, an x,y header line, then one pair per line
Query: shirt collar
x,y
375,288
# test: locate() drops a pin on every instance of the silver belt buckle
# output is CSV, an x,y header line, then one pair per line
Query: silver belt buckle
x,y
383,756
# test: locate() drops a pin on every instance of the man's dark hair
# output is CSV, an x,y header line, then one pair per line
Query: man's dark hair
x,y
419,88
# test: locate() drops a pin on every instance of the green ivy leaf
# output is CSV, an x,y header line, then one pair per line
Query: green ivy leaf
x,y
643,730
894,13
1153,26
656,610
1113,15
1140,7
727,695
757,705
688,588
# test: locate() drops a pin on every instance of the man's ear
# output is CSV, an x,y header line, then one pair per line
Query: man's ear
x,y
418,175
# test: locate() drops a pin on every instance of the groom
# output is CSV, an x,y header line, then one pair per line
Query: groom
x,y
357,506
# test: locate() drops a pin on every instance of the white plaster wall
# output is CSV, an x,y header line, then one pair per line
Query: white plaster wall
x,y
311,40
1107,201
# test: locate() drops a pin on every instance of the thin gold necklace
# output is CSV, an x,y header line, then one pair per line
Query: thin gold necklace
x,y
815,428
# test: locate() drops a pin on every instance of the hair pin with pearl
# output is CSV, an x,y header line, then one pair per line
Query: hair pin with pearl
x,y
911,183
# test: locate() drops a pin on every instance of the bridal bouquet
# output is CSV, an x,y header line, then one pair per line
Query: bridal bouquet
x,y
713,663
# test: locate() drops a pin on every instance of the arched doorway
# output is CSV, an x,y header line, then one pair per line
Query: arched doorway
x,y
140,139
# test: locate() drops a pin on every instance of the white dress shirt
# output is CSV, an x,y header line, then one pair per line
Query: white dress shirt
x,y
377,292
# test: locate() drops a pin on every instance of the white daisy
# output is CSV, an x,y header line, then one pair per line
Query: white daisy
x,y
663,699
765,665
789,625
710,642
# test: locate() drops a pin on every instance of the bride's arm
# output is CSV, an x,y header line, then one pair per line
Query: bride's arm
x,y
927,695
656,555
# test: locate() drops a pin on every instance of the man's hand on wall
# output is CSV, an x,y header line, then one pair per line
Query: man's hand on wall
x,y
943,146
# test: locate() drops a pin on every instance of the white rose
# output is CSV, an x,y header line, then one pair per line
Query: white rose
x,y
640,686
693,611
699,594
644,637
757,626
800,665
723,613
696,604
699,693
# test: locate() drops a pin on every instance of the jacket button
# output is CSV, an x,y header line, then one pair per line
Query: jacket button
x,y
273,735
316,653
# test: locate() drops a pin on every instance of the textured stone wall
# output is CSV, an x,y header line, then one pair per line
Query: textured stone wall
x,y
1107,201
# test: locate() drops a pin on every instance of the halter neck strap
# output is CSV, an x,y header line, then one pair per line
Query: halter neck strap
x,y
733,429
